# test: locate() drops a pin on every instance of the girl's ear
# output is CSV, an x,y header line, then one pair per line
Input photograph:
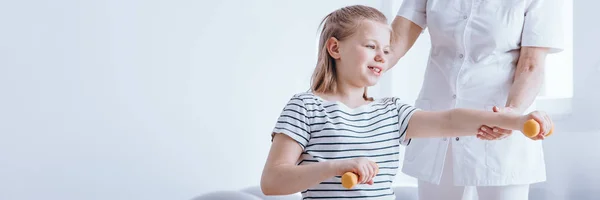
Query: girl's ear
x,y
333,47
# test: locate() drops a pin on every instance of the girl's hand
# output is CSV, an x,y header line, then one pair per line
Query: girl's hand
x,y
543,119
364,168
495,133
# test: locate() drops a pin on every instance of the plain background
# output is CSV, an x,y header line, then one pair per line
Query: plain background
x,y
173,99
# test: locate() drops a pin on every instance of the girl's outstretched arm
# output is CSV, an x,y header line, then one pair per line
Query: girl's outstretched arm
x,y
463,122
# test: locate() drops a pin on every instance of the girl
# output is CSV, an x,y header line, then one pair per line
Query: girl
x,y
336,128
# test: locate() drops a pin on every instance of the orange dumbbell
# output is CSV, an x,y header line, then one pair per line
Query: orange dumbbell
x,y
349,180
531,128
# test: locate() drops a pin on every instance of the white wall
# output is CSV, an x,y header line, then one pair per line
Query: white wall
x,y
173,99
573,156
146,99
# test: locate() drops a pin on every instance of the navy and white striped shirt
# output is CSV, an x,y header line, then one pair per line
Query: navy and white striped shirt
x,y
329,130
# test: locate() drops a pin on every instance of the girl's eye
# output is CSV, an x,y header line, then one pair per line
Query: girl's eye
x,y
386,52
371,46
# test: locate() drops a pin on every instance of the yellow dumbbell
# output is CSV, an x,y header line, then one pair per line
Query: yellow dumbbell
x,y
531,128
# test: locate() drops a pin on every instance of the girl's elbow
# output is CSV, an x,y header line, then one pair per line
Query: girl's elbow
x,y
270,190
268,187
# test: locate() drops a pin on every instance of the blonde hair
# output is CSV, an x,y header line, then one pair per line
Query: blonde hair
x,y
339,24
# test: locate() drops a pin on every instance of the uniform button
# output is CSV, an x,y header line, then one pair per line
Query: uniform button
x,y
461,56
457,139
454,96
465,17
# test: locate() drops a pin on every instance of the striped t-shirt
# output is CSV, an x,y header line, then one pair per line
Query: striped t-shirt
x,y
328,130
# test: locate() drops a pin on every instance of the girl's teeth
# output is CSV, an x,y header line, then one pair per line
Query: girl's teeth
x,y
375,69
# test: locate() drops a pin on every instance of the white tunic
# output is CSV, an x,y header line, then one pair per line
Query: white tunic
x,y
475,48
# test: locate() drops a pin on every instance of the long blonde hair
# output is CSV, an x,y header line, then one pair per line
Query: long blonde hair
x,y
339,24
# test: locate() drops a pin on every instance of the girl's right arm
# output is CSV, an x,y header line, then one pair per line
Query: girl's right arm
x,y
281,175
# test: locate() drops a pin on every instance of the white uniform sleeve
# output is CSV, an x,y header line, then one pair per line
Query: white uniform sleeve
x,y
544,25
414,10
293,122
405,112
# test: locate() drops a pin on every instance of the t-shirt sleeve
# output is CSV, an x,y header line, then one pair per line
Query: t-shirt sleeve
x,y
293,121
415,11
405,112
544,25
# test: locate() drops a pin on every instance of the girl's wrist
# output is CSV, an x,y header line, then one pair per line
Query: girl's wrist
x,y
333,168
521,122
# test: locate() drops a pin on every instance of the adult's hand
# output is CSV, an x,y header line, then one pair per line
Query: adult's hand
x,y
495,133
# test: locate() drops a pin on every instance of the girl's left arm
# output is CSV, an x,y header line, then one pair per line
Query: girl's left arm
x,y
464,122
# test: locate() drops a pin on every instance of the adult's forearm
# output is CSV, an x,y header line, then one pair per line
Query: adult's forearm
x,y
528,78
404,36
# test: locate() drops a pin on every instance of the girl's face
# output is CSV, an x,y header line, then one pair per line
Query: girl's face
x,y
361,58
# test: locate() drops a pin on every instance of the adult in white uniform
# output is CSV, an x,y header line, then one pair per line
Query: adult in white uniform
x,y
484,53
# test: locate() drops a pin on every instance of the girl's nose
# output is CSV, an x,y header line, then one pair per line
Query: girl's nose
x,y
380,58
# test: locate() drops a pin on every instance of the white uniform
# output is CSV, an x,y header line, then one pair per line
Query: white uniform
x,y
475,48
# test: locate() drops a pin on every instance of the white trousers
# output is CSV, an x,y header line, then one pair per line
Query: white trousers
x,y
446,190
